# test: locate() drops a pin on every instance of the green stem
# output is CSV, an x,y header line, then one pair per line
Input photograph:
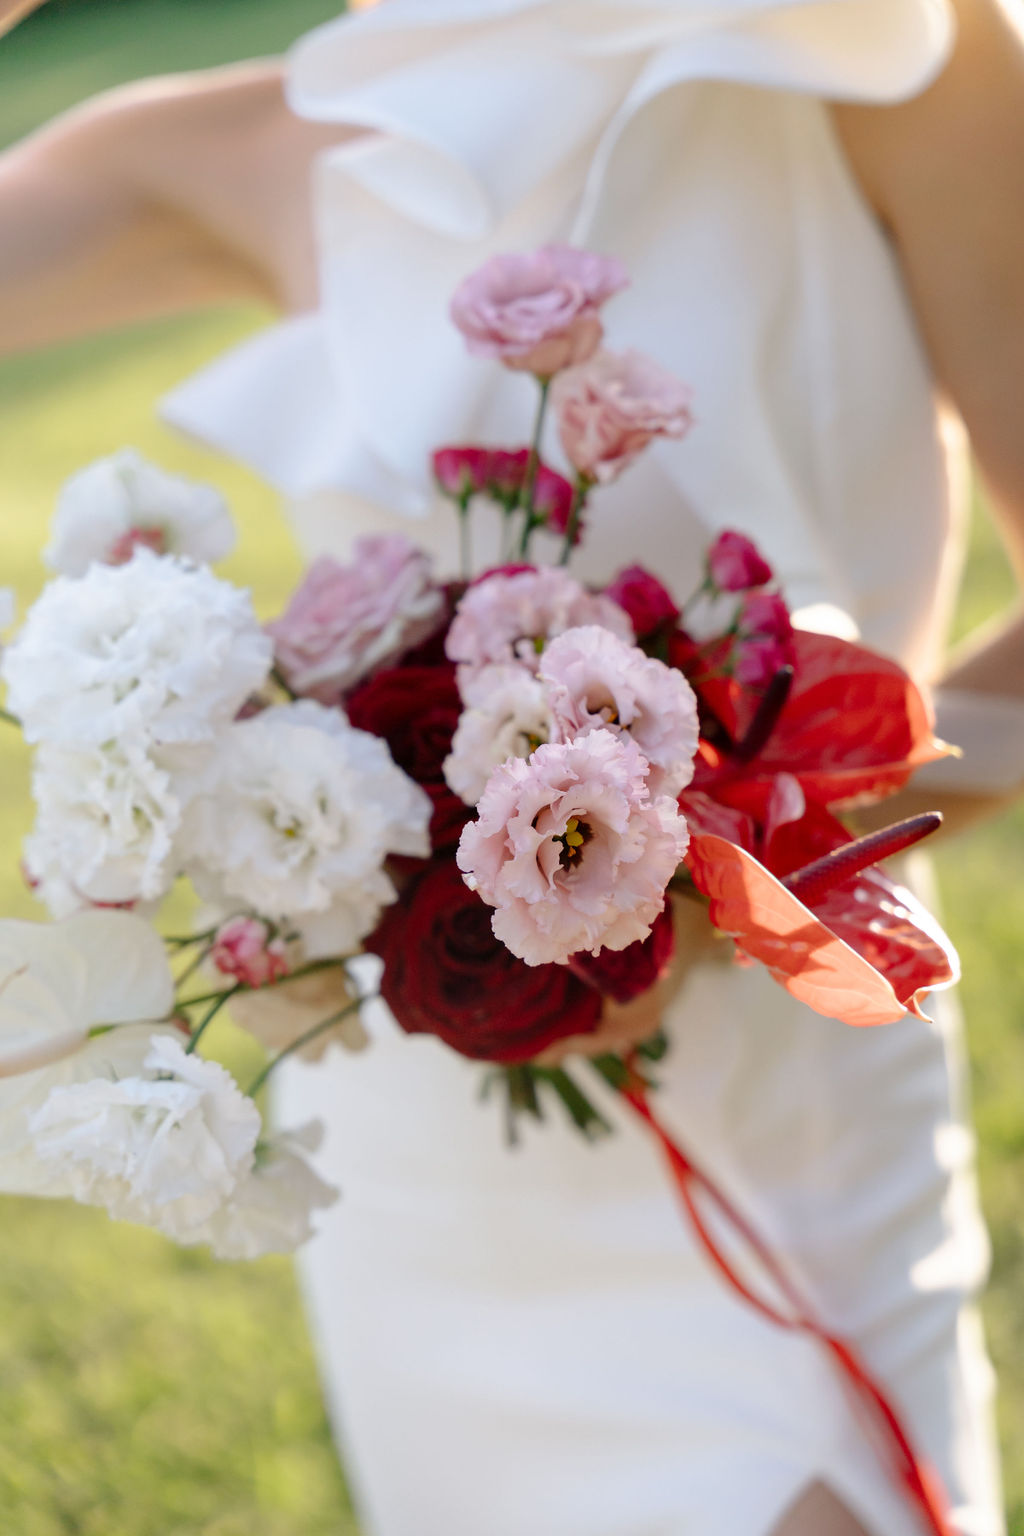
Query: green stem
x,y
304,1039
526,495
579,496
10,719
207,1019
305,970
193,966
285,687
465,547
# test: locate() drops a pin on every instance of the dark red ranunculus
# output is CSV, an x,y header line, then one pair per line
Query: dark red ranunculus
x,y
415,710
445,974
624,974
649,604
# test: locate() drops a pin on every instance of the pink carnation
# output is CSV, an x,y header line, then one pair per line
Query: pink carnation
x,y
571,849
507,618
597,682
648,603
539,311
611,407
347,621
244,950
735,563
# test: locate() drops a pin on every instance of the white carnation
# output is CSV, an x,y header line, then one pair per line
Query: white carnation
x,y
155,650
294,820
166,1149
507,715
271,1211
106,822
118,503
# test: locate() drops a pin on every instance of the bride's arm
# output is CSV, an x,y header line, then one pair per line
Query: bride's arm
x,y
946,175
154,199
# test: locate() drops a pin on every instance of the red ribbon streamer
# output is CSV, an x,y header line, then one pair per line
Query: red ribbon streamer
x,y
920,1482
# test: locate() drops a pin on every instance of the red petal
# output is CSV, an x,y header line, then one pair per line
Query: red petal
x,y
854,726
820,966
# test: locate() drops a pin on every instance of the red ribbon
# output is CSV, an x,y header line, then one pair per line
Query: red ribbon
x,y
920,1482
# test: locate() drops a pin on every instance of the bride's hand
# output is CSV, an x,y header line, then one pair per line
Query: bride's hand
x,y
625,1025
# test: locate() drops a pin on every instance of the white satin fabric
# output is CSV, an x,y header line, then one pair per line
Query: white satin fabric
x,y
529,1341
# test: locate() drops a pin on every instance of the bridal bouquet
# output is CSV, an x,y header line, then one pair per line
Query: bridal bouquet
x,y
504,784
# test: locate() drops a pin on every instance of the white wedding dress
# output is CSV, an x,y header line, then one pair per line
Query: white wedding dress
x,y
528,1342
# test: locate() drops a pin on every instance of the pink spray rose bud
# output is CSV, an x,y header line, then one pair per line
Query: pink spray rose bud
x,y
244,950
648,603
537,312
462,472
122,550
346,622
735,563
765,632
506,472
611,407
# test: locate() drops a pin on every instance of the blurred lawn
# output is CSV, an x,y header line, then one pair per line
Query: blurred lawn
x,y
146,1391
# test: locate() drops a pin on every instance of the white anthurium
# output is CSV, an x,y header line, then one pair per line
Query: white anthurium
x,y
78,1000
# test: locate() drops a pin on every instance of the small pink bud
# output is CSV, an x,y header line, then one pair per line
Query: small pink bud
x,y
137,538
244,950
735,563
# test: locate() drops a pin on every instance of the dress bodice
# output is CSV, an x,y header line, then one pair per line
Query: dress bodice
x,y
690,140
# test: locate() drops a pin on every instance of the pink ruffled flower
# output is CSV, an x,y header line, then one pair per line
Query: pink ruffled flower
x,y
735,563
571,849
462,472
244,950
596,682
648,603
765,632
538,311
612,407
507,714
508,618
347,621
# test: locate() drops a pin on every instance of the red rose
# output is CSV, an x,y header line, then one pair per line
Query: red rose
x,y
648,603
735,564
624,974
415,710
445,974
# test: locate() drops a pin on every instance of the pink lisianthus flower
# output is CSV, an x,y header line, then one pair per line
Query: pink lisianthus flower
x,y
537,312
764,639
735,564
597,682
648,604
507,714
347,621
462,472
243,949
510,618
571,849
610,408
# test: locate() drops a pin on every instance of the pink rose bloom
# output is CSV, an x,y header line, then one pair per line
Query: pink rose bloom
x,y
648,603
597,682
508,618
244,950
735,563
571,850
462,472
763,645
347,621
539,311
611,407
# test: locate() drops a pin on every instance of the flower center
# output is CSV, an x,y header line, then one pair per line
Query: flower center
x,y
572,842
137,538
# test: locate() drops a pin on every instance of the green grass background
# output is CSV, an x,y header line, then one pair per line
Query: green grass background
x,y
146,1391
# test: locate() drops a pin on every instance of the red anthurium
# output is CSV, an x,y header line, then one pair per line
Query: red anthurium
x,y
862,950
853,728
